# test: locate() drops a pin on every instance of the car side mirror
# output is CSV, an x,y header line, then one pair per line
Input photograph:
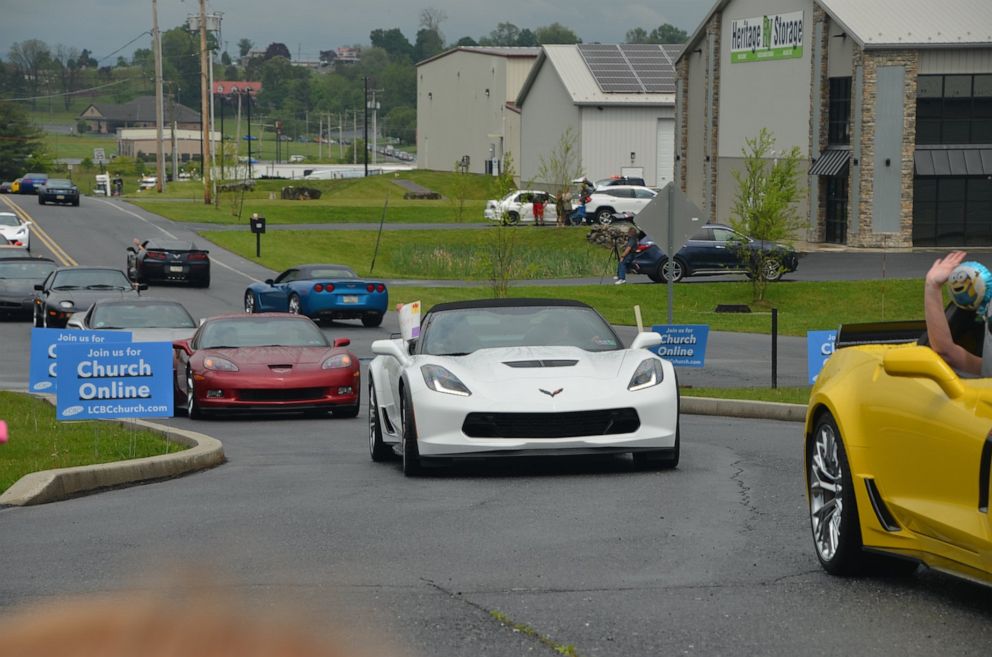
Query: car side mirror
x,y
39,287
926,363
391,348
646,339
75,321
182,345
342,342
269,281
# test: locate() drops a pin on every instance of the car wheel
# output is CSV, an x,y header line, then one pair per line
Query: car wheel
x,y
39,319
372,319
772,268
294,304
378,450
249,302
673,270
41,201
662,459
833,510
410,450
76,203
512,218
205,281
192,407
658,274
604,216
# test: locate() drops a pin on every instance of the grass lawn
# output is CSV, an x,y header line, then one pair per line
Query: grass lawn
x,y
78,146
39,442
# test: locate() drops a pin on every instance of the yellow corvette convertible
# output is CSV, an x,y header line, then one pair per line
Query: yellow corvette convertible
x,y
898,454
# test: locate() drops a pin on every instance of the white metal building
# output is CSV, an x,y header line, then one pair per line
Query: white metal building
x,y
888,101
465,107
618,101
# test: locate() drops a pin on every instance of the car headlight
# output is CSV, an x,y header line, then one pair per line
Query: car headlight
x,y
337,361
65,304
649,373
439,379
218,364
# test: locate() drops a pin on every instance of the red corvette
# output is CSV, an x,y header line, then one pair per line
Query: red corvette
x,y
265,362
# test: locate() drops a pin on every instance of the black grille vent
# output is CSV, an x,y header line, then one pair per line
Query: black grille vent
x,y
551,425
281,394
540,363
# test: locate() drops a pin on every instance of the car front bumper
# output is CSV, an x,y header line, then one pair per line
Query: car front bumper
x,y
318,390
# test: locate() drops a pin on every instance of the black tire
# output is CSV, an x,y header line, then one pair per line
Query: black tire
x,y
409,449
41,201
348,411
834,520
604,216
76,203
378,450
294,304
657,275
204,282
192,408
673,269
249,302
39,321
661,459
772,268
512,218
372,319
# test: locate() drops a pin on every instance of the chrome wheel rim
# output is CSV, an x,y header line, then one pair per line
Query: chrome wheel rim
x,y
772,269
249,303
673,270
606,218
190,400
372,418
294,305
826,506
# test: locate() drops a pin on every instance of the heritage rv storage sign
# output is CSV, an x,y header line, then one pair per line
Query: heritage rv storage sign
x,y
777,36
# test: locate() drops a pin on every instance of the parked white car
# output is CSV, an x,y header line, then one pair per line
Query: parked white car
x,y
604,203
147,182
17,233
518,207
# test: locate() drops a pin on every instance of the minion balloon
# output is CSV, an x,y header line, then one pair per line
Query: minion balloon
x,y
970,285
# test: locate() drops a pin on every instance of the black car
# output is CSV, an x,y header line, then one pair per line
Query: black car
x,y
58,190
620,180
69,290
714,249
168,260
18,276
30,182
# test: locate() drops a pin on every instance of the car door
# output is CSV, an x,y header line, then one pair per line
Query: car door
x,y
641,198
275,298
706,249
929,457
522,205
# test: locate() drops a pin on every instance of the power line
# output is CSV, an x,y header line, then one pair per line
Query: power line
x,y
72,93
145,33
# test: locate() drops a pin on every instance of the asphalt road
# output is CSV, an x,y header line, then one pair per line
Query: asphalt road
x,y
714,558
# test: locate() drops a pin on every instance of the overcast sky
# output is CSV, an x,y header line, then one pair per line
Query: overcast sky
x,y
308,26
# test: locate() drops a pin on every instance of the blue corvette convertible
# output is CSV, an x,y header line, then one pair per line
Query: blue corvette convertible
x,y
321,292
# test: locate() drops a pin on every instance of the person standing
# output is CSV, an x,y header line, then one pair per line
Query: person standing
x,y
538,202
626,257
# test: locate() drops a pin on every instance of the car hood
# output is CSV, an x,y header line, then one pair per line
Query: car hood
x,y
85,298
264,357
17,286
505,365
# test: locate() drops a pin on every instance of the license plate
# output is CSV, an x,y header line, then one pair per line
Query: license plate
x,y
349,299
176,269
60,197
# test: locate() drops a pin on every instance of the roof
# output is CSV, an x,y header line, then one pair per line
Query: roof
x,y
902,23
492,51
581,85
914,23
142,109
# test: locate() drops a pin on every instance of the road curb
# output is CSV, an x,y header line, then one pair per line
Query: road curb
x,y
744,409
54,485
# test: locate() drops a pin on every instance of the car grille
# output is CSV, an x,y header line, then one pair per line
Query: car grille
x,y
281,394
605,422
540,363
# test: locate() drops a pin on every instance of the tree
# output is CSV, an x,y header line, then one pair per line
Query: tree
x,y
429,43
502,252
526,38
29,59
668,33
225,59
244,47
393,42
466,42
505,34
181,64
431,19
561,166
277,49
86,59
764,207
402,122
67,68
556,33
20,141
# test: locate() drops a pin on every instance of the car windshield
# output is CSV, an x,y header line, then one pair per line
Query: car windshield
x,y
7,219
260,332
140,315
331,273
26,269
93,279
461,331
170,245
58,183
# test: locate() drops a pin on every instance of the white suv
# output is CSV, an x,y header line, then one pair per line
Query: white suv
x,y
604,203
518,207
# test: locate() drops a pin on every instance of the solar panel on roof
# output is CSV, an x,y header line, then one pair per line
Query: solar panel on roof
x,y
631,68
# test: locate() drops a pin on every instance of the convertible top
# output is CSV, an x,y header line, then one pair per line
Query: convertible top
x,y
505,303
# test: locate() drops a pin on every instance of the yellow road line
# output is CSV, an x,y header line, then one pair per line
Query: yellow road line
x,y
37,232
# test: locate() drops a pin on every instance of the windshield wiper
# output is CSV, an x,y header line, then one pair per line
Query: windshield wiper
x,y
66,287
455,353
103,286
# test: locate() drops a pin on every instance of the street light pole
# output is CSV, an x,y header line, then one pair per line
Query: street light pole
x,y
159,153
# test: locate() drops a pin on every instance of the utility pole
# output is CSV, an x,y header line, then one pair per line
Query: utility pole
x,y
159,154
205,105
365,127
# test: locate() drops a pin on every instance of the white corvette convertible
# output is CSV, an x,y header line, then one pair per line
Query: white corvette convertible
x,y
519,377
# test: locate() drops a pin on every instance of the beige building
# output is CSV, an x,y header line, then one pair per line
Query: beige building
x,y
888,101
465,107
138,113
141,141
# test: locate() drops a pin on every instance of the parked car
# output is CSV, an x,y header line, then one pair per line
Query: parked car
x,y
168,260
266,362
147,182
17,233
58,190
146,319
518,207
18,276
612,181
898,455
603,203
5,186
321,292
69,290
716,249
518,377
31,181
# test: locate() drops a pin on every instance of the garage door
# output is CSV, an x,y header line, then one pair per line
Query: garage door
x,y
666,152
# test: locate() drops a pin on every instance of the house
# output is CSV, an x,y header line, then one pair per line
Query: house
x,y
138,113
889,103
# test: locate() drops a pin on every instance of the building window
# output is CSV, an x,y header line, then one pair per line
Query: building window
x,y
954,109
835,228
952,211
839,118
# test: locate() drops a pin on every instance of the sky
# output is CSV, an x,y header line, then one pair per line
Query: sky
x,y
309,26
